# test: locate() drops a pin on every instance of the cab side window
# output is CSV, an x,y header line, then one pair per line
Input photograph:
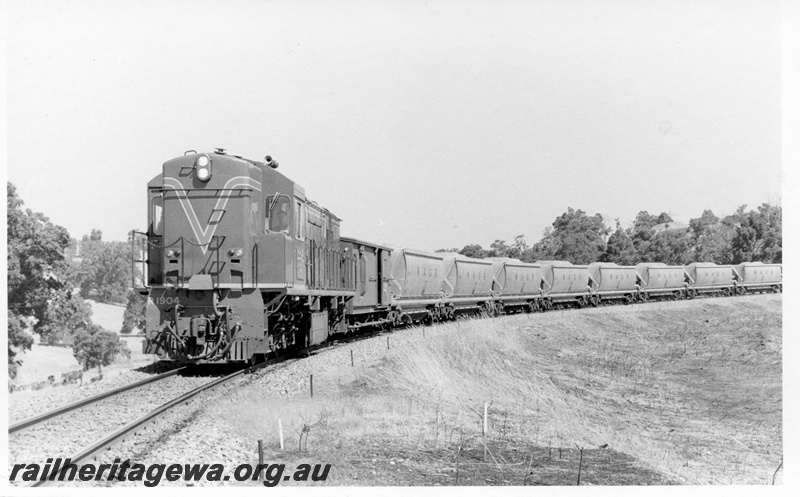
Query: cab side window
x,y
278,216
156,214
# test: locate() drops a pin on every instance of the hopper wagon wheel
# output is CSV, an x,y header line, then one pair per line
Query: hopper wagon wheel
x,y
726,292
742,290
776,289
629,299
596,300
676,295
691,293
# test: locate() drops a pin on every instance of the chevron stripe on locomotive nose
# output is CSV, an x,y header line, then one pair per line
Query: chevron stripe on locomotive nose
x,y
202,235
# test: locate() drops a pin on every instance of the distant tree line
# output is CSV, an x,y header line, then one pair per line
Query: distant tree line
x,y
574,236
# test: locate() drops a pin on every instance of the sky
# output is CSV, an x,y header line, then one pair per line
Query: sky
x,y
421,124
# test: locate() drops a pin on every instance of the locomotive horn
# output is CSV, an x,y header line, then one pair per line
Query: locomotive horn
x,y
271,163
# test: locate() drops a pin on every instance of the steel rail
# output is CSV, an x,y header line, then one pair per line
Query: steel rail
x,y
152,416
60,411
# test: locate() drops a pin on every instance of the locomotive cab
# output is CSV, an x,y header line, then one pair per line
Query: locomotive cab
x,y
236,261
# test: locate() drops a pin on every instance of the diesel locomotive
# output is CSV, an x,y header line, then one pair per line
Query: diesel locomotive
x,y
238,263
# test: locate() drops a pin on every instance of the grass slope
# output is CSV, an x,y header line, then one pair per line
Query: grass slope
x,y
665,393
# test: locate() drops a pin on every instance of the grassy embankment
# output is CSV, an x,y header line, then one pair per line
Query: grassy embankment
x,y
686,393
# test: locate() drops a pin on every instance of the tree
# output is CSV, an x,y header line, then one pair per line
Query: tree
x,y
580,238
758,236
641,232
620,249
19,339
474,251
134,316
37,276
671,247
93,347
700,225
519,248
64,314
105,269
498,248
544,249
715,244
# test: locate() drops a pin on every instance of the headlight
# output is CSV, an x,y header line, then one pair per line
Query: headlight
x,y
203,168
172,253
235,252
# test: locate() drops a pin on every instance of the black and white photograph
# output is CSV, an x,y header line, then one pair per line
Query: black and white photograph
x,y
415,245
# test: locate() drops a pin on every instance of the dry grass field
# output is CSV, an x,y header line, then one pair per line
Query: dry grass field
x,y
664,393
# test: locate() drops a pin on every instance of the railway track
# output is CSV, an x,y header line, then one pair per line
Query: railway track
x,y
76,406
130,429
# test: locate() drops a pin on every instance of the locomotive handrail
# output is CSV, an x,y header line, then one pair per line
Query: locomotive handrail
x,y
183,264
203,189
254,255
217,247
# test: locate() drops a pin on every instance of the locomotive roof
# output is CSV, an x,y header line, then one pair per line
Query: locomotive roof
x,y
266,170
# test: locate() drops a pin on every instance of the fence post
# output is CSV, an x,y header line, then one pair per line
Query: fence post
x,y
260,458
485,427
311,385
352,361
280,432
